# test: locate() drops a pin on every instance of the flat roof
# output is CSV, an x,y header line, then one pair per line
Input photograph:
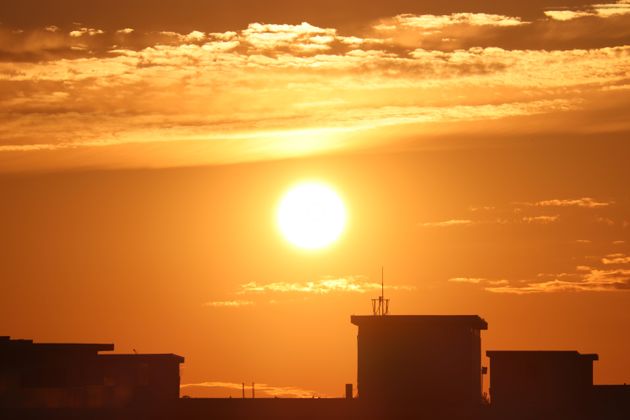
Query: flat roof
x,y
75,346
142,357
6,342
540,354
468,321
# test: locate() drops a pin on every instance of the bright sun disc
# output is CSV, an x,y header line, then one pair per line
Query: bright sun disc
x,y
311,216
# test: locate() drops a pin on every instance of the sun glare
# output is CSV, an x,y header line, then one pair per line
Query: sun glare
x,y
311,215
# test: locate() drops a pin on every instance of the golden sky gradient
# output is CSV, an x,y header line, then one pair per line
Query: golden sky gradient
x,y
481,150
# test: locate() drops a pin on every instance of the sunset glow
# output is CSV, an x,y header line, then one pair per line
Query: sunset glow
x,y
311,215
229,181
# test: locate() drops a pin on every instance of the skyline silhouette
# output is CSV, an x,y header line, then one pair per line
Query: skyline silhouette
x,y
408,366
227,181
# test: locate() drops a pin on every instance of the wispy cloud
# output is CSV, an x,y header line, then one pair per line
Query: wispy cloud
x,y
479,280
600,10
481,208
616,259
541,219
473,280
262,390
229,303
564,15
605,221
585,202
593,281
250,93
352,284
448,223
583,279
302,38
525,213
285,292
442,21
77,33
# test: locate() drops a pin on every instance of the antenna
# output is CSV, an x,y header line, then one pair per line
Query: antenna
x,y
380,306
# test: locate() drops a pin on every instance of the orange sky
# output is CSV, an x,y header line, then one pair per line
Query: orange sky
x,y
481,150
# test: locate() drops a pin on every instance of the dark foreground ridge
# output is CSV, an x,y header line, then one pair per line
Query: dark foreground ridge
x,y
409,366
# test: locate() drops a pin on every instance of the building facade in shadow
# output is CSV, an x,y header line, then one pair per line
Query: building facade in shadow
x,y
409,366
428,361
544,384
54,375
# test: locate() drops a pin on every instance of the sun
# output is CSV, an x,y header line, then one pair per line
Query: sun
x,y
311,215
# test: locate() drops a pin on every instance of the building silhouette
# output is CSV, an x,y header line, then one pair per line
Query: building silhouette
x,y
53,375
541,383
420,366
611,401
424,360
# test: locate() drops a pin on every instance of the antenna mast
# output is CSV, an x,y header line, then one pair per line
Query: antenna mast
x,y
380,306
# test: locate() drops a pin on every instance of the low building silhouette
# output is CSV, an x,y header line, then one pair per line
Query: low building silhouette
x,y
54,375
541,383
409,366
612,401
421,361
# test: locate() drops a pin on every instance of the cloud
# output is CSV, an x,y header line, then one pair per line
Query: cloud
x,y
495,221
605,221
600,10
304,37
125,31
482,208
262,390
610,273
442,21
273,91
328,285
472,280
541,219
448,223
584,279
616,259
516,214
86,31
229,303
621,7
479,281
564,15
195,36
585,202
593,281
352,284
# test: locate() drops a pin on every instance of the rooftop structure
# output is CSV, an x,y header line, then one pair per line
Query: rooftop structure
x,y
53,375
541,381
424,360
